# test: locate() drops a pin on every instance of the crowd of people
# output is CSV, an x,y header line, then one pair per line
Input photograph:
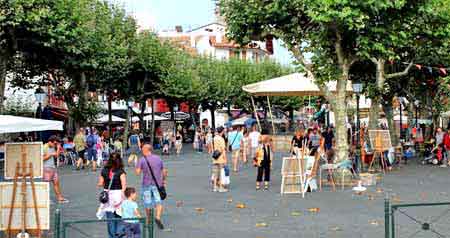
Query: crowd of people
x,y
229,149
120,200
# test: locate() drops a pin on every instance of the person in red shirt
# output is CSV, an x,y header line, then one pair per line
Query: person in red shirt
x,y
446,143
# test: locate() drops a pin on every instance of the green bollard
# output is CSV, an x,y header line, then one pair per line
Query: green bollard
x,y
56,229
387,216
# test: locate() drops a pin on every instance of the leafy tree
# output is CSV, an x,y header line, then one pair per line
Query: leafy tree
x,y
336,33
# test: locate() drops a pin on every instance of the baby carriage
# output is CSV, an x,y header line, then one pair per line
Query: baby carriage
x,y
433,155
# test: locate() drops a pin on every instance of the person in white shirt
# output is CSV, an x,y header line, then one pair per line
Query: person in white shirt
x,y
254,141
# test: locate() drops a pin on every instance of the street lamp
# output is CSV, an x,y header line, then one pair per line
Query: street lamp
x,y
40,95
357,89
416,103
400,104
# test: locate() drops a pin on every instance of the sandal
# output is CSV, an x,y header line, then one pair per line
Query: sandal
x,y
63,200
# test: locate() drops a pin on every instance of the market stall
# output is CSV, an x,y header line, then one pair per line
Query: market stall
x,y
16,124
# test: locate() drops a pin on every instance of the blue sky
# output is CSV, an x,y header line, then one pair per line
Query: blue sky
x,y
166,14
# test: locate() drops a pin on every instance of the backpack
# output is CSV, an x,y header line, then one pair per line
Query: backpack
x,y
91,141
133,140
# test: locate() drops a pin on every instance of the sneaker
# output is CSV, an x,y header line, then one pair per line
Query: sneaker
x,y
443,166
215,190
159,224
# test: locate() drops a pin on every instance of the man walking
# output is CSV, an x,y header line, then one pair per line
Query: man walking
x,y
235,140
149,191
51,151
80,147
91,147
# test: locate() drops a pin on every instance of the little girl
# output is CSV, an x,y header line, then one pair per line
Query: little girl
x,y
245,146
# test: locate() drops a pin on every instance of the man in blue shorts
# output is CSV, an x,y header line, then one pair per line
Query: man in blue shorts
x,y
149,190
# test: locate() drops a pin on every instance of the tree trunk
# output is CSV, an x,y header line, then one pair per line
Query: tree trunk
x,y
126,130
213,118
142,114
340,112
376,101
374,113
3,72
153,121
110,117
388,110
82,97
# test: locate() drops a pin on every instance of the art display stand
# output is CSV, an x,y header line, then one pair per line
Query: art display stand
x,y
381,142
23,173
298,173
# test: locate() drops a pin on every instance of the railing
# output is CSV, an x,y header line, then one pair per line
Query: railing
x,y
391,210
61,227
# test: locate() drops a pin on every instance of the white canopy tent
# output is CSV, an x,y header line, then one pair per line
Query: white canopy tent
x,y
15,124
295,84
149,118
157,118
105,119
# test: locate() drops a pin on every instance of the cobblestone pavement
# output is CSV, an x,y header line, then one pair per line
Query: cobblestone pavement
x,y
192,210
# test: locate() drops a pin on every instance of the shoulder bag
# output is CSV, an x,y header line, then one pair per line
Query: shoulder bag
x,y
216,153
161,189
104,196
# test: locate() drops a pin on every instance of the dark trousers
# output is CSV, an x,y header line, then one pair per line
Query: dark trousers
x,y
263,169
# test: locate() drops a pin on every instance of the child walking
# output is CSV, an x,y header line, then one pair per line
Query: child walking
x,y
129,209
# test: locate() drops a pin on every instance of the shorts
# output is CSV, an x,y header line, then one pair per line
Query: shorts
x,y
150,196
253,152
81,154
215,171
235,153
91,154
50,175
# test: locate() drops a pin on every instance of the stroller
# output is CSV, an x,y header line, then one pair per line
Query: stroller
x,y
433,155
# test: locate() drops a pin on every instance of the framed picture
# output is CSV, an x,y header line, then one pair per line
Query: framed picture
x,y
30,151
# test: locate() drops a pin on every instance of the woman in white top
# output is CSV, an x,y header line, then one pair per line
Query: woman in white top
x,y
254,141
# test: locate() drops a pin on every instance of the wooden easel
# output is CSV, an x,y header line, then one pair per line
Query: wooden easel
x,y
21,171
378,150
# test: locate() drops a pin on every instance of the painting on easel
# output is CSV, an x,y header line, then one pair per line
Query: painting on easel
x,y
43,206
13,155
380,140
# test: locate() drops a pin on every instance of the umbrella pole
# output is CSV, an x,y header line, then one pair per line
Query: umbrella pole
x,y
271,116
256,113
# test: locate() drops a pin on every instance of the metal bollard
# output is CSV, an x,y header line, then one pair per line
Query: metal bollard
x,y
56,229
387,216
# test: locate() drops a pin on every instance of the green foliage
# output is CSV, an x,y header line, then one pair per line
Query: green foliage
x,y
85,114
19,106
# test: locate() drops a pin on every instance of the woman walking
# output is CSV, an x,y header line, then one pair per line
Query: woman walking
x,y
113,180
263,160
245,148
178,142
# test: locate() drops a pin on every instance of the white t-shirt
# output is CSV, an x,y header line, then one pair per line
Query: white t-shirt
x,y
254,137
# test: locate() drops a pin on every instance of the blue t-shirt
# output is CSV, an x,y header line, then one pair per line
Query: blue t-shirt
x,y
128,207
234,138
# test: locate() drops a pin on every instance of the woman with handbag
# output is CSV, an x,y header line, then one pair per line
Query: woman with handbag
x,y
263,161
113,181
